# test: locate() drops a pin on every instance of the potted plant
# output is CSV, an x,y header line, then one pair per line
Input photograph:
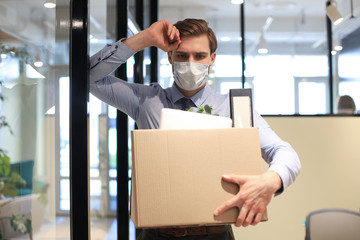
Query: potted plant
x,y
10,180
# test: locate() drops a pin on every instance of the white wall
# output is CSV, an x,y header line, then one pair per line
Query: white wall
x,y
328,148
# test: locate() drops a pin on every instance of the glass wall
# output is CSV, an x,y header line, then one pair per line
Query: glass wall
x,y
286,52
34,133
34,47
102,125
286,58
347,53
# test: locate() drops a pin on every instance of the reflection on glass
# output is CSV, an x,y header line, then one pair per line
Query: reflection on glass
x,y
112,141
28,89
113,193
65,194
296,54
64,127
349,75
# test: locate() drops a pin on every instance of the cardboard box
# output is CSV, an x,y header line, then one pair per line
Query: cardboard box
x,y
176,174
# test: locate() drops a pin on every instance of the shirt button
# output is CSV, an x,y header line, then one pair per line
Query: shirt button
x,y
116,46
99,59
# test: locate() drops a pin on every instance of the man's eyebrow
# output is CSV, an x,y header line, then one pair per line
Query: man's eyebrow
x,y
202,53
181,52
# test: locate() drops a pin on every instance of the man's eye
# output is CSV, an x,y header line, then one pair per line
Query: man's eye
x,y
181,56
201,56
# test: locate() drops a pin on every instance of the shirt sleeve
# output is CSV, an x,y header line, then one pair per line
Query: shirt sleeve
x,y
279,154
108,88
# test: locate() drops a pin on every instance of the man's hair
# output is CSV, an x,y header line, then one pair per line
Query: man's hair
x,y
346,102
195,27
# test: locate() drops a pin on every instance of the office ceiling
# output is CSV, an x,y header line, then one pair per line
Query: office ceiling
x,y
292,21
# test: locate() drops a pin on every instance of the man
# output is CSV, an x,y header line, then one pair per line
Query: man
x,y
191,47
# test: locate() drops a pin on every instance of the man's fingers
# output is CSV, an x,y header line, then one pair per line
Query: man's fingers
x,y
237,179
171,39
233,202
177,35
242,216
257,219
171,33
249,219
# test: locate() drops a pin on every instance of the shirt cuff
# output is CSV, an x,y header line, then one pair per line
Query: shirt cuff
x,y
118,51
283,173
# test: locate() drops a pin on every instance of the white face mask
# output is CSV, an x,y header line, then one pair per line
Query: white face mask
x,y
189,75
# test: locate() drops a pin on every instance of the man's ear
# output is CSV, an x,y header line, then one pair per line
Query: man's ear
x,y
213,56
169,57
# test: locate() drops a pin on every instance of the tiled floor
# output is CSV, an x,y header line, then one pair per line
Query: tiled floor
x,y
59,229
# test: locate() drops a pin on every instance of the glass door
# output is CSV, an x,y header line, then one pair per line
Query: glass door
x,y
34,48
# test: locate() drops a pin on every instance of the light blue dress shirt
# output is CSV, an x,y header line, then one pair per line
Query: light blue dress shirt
x,y
143,103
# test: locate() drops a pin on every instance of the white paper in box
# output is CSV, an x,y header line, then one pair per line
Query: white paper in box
x,y
178,119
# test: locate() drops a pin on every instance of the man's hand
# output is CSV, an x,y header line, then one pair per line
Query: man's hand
x,y
253,197
161,34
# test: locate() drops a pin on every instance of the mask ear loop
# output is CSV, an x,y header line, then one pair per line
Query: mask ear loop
x,y
209,64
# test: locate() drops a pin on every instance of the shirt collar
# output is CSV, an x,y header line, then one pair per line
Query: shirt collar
x,y
198,99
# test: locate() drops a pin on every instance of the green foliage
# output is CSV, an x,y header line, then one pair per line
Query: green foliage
x,y
21,224
19,52
4,123
4,164
42,197
9,181
206,109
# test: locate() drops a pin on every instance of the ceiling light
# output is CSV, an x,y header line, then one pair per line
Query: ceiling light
x,y
262,45
49,3
333,13
38,63
337,44
237,1
282,4
338,48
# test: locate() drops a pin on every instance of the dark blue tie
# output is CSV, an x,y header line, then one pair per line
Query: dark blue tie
x,y
185,103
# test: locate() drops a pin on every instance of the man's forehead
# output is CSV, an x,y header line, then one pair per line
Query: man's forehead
x,y
194,44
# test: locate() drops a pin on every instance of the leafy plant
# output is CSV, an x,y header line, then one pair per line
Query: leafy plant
x,y
19,52
9,181
8,187
19,223
206,109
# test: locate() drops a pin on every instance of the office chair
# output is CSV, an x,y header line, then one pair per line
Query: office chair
x,y
333,224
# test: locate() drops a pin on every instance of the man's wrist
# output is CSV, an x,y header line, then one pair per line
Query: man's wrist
x,y
275,181
137,42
